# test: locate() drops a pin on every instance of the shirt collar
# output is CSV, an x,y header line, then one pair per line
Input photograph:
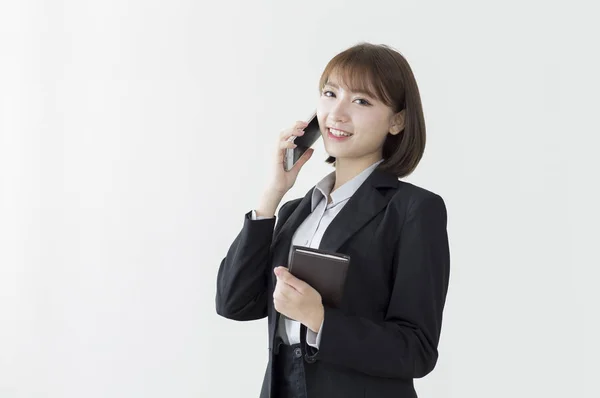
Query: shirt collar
x,y
323,187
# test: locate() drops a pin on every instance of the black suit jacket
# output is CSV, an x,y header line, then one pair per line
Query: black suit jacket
x,y
387,329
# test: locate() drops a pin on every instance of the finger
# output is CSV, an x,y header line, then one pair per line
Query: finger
x,y
280,296
287,144
296,129
288,291
286,276
283,291
282,146
300,124
290,135
279,306
281,285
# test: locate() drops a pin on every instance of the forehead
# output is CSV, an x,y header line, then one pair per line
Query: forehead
x,y
350,79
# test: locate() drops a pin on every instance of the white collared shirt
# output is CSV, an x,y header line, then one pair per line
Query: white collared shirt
x,y
310,233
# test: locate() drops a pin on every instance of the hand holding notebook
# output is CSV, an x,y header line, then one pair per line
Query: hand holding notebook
x,y
324,271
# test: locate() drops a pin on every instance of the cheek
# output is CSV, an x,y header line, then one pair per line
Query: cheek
x,y
321,117
323,107
376,127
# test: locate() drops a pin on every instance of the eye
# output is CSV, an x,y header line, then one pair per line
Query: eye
x,y
327,91
365,102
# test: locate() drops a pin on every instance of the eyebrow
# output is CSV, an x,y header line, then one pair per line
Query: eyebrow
x,y
328,83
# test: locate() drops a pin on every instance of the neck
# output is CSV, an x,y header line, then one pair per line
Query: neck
x,y
347,169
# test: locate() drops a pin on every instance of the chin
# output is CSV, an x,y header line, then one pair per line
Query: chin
x,y
335,154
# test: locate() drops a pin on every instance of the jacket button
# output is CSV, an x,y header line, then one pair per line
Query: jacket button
x,y
298,352
309,359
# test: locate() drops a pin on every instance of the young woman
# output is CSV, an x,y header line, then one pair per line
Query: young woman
x,y
386,331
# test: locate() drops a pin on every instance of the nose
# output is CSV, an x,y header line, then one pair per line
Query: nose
x,y
338,113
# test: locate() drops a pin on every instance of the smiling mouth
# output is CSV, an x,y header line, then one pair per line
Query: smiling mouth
x,y
338,133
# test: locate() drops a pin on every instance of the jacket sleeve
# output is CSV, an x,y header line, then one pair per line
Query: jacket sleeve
x,y
404,345
242,277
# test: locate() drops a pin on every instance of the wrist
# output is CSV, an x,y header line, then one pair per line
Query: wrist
x,y
316,320
268,203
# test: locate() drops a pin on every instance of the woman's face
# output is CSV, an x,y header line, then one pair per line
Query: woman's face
x,y
364,118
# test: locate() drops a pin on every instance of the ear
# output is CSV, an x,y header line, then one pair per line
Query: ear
x,y
397,122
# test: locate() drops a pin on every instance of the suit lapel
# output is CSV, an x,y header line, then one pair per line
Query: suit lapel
x,y
281,243
287,230
366,202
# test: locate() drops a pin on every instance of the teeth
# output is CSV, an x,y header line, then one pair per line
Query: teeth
x,y
339,133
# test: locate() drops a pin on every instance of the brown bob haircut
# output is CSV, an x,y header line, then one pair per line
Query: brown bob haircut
x,y
384,74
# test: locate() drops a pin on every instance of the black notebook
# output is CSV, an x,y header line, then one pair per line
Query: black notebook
x,y
324,271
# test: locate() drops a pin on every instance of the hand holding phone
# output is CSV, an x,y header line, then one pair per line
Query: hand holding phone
x,y
312,132
283,178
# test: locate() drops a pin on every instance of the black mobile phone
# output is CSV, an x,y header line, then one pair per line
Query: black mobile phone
x,y
312,132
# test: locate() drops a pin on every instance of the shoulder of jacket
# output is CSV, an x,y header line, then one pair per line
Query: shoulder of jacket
x,y
411,195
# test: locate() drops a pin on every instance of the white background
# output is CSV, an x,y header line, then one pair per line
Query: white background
x,y
134,135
